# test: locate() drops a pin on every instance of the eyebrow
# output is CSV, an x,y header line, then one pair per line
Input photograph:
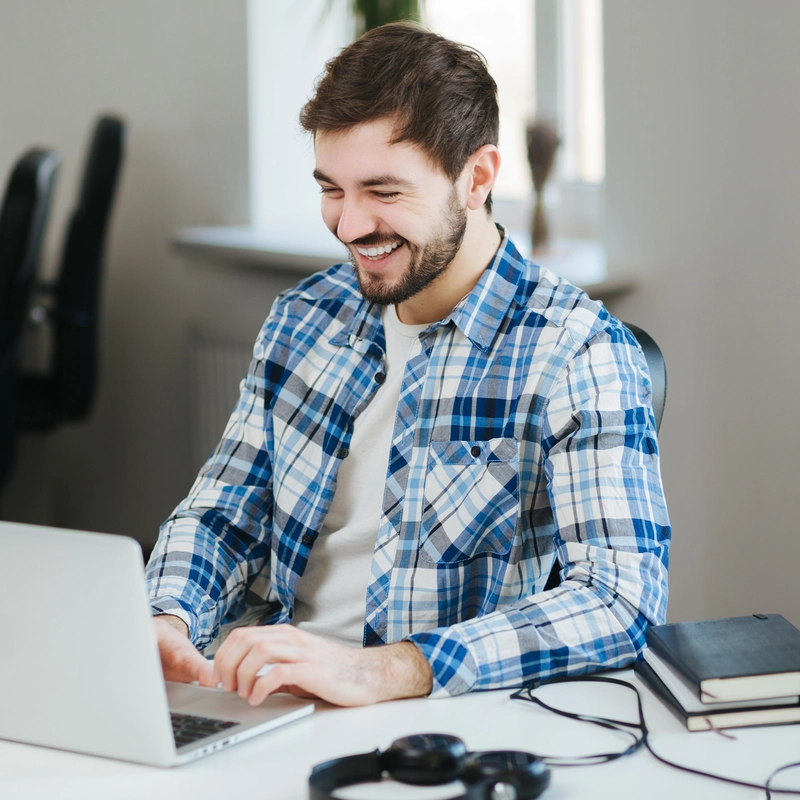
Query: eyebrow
x,y
368,183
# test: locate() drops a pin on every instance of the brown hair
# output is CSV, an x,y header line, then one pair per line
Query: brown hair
x,y
439,92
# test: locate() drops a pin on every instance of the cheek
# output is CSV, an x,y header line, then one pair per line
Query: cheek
x,y
395,220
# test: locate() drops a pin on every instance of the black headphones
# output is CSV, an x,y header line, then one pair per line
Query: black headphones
x,y
427,759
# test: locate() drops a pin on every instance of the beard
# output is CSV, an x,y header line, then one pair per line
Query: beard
x,y
426,262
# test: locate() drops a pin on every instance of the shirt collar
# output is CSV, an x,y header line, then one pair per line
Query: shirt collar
x,y
478,316
481,313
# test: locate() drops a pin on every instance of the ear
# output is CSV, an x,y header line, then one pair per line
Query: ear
x,y
480,173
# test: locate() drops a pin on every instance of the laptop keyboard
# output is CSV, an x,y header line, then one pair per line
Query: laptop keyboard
x,y
188,728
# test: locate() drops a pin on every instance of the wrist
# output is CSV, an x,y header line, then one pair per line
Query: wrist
x,y
406,672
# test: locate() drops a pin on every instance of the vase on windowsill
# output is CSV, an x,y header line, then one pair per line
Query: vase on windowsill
x,y
542,141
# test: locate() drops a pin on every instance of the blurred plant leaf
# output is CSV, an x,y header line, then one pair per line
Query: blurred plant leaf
x,y
369,14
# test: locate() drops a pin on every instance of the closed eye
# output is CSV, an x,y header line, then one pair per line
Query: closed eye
x,y
387,195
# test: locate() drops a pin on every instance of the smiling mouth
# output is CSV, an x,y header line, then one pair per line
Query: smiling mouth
x,y
377,253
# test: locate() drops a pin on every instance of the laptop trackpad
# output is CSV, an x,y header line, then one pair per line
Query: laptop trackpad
x,y
201,701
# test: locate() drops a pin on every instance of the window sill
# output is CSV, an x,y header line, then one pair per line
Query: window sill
x,y
582,262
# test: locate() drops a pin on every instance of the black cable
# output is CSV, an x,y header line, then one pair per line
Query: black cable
x,y
603,722
526,694
774,773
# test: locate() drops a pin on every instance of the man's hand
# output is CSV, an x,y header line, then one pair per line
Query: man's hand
x,y
180,660
310,666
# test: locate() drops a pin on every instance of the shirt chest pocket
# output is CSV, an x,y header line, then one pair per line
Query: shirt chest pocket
x,y
471,499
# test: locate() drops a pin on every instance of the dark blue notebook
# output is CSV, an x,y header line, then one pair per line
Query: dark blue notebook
x,y
736,658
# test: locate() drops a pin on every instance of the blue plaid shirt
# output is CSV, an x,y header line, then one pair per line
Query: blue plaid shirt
x,y
524,432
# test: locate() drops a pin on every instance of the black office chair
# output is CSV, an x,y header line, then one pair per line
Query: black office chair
x,y
66,392
658,379
23,215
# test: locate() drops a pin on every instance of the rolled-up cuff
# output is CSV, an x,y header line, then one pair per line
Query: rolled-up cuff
x,y
168,605
454,669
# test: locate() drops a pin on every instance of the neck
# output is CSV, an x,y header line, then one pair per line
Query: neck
x,y
481,241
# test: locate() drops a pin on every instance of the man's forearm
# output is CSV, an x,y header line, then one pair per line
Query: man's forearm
x,y
175,622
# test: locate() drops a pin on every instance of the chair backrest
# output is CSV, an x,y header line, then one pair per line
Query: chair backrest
x,y
658,379
78,288
658,369
23,214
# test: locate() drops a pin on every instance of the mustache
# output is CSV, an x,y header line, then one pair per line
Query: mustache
x,y
375,240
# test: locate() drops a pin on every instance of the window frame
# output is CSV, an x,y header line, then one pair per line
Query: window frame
x,y
577,207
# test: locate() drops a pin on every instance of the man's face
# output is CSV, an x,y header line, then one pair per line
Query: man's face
x,y
397,213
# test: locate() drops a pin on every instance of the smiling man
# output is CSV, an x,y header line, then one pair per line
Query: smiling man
x,y
422,433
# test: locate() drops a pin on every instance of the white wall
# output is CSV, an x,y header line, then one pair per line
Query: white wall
x,y
703,194
703,125
177,71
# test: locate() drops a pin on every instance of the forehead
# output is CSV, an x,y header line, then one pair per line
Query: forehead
x,y
366,150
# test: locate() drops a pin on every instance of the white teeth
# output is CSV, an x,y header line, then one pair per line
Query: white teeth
x,y
372,252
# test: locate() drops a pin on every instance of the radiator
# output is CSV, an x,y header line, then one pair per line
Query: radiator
x,y
216,366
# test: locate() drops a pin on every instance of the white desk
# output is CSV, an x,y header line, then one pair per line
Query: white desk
x,y
276,764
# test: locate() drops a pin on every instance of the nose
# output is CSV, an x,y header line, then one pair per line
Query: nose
x,y
355,220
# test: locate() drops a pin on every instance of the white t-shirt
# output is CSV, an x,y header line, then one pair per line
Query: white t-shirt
x,y
332,592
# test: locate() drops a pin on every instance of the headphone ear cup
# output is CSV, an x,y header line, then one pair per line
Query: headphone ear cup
x,y
425,759
525,775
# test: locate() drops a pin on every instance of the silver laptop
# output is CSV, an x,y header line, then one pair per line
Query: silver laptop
x,y
80,668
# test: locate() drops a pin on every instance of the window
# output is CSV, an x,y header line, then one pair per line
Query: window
x,y
505,36
547,59
546,56
582,112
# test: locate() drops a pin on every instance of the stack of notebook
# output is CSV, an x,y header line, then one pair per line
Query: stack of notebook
x,y
726,673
